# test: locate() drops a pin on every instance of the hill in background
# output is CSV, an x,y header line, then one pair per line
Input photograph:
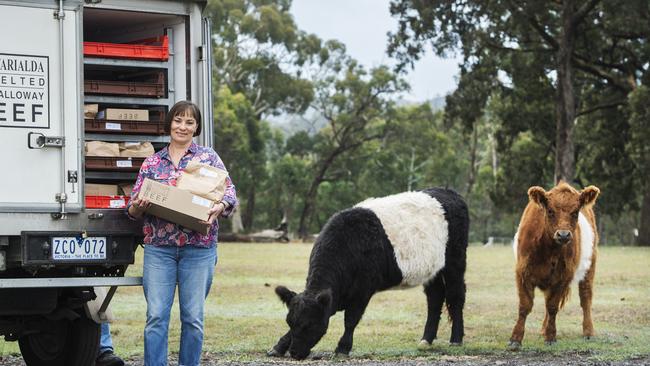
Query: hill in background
x,y
312,122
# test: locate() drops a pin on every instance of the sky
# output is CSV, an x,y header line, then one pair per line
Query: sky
x,y
362,25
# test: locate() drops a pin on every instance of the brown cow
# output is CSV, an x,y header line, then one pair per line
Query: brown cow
x,y
556,244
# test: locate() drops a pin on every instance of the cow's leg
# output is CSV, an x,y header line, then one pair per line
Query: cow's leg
x,y
585,288
281,347
455,299
353,315
526,295
553,298
435,291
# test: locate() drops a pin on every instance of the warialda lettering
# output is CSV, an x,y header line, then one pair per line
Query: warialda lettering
x,y
14,64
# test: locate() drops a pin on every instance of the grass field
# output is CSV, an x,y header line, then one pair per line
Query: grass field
x,y
244,317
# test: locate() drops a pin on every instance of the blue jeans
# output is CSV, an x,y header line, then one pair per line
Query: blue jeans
x,y
105,342
192,269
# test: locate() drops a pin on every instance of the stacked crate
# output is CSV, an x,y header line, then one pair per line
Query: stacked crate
x,y
126,97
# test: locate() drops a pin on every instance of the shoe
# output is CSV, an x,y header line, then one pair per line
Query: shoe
x,y
109,358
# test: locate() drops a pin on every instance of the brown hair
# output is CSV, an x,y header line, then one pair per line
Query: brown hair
x,y
180,108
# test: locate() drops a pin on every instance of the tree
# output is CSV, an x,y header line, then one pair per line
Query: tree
x,y
579,41
235,131
640,152
259,52
354,103
401,159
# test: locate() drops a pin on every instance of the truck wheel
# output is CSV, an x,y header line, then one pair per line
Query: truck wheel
x,y
65,343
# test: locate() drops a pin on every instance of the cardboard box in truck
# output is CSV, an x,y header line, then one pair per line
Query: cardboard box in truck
x,y
120,114
92,189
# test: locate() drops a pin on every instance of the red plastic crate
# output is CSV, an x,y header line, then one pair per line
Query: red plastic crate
x,y
106,201
156,49
153,86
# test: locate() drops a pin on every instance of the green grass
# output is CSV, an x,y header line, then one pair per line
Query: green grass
x,y
244,318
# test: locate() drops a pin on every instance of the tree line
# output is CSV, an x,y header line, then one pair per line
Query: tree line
x,y
547,91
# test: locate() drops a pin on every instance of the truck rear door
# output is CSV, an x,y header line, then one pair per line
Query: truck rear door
x,y
40,106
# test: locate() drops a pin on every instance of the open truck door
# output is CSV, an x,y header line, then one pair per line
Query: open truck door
x,y
39,108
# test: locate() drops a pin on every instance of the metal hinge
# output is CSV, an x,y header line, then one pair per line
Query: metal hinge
x,y
61,197
199,52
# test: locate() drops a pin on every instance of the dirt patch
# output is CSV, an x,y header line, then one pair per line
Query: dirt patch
x,y
511,360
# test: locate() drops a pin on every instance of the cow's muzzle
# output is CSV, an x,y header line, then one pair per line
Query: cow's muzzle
x,y
562,237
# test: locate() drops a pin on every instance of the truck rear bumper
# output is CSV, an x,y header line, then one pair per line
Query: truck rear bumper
x,y
14,223
69,282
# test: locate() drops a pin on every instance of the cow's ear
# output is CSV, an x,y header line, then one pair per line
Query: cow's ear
x,y
325,298
588,195
285,294
538,195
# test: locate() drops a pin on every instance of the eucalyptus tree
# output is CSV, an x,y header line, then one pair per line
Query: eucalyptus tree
x,y
639,150
578,42
259,51
356,105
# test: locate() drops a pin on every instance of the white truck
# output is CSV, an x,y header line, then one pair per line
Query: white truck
x,y
56,57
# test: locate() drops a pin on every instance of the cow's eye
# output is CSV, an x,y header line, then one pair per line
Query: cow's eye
x,y
550,213
574,215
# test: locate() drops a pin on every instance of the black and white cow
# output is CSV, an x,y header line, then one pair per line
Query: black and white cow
x,y
403,240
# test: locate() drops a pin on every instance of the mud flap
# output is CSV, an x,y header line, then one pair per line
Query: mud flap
x,y
99,310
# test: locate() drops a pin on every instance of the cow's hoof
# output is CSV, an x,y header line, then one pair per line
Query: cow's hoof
x,y
340,356
316,356
274,353
455,344
588,338
550,343
514,346
424,345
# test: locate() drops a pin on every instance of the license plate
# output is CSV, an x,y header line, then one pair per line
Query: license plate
x,y
71,248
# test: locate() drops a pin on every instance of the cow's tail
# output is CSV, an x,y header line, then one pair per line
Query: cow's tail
x,y
565,296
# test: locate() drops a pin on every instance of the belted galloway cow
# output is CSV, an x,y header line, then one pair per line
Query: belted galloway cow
x,y
556,244
403,240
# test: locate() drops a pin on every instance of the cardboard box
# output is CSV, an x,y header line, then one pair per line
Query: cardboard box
x,y
120,114
204,180
90,110
136,149
92,189
126,188
176,205
101,148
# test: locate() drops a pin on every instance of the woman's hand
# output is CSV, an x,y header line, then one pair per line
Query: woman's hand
x,y
139,206
216,210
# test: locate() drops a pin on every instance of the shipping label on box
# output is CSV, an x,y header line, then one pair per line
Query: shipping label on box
x,y
176,205
121,114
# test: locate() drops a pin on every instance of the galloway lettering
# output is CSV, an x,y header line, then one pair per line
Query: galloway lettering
x,y
20,94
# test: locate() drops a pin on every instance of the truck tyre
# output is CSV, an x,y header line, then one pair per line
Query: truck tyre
x,y
66,343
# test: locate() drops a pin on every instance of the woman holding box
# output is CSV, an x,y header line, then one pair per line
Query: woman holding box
x,y
174,255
